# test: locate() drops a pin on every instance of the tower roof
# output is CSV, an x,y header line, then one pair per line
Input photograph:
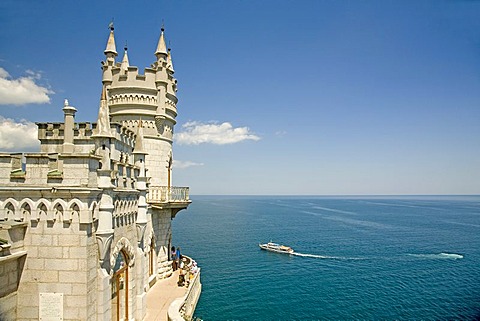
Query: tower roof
x,y
103,122
161,47
111,42
139,146
169,61
125,63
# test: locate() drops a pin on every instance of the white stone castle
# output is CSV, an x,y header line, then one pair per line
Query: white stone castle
x,y
85,224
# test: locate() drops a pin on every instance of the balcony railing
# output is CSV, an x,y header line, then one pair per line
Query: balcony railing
x,y
182,309
167,194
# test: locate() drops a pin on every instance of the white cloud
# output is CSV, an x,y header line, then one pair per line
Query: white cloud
x,y
23,90
18,137
3,73
33,74
220,134
184,164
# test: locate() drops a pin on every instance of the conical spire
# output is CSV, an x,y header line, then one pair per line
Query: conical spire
x,y
111,42
169,61
103,122
139,145
161,47
125,63
103,95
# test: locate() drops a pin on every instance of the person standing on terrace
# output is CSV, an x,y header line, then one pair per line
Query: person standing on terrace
x,y
173,254
178,256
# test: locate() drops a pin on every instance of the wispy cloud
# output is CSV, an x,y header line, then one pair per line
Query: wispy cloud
x,y
195,133
184,164
23,90
18,136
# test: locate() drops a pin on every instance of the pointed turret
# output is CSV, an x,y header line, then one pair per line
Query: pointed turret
x,y
103,122
139,145
111,49
161,47
125,63
169,61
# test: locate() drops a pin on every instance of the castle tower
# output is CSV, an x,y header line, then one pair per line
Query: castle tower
x,y
150,99
99,197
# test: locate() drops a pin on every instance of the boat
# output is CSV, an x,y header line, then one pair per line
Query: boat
x,y
277,248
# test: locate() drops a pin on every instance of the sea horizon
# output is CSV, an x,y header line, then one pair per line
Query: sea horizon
x,y
337,195
358,257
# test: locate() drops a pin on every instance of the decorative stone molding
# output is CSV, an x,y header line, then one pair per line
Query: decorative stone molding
x,y
149,238
104,240
141,234
132,99
164,126
124,244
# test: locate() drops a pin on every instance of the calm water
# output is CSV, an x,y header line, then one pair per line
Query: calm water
x,y
375,258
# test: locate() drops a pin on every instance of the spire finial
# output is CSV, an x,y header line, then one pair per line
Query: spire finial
x,y
125,63
126,46
161,47
163,26
111,42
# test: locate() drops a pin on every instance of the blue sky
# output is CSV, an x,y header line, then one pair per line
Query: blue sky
x,y
276,97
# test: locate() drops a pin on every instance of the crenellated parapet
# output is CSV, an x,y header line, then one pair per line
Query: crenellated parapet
x,y
132,78
53,167
47,169
132,93
52,131
52,137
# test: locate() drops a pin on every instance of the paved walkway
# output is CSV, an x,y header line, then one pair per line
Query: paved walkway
x,y
161,295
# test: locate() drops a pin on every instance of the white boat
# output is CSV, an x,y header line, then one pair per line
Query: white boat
x,y
277,248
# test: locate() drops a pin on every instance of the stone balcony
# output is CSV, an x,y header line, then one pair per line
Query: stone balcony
x,y
173,197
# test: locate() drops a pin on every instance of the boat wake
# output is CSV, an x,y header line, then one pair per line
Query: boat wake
x,y
325,257
451,256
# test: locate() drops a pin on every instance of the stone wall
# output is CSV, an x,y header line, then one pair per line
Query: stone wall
x,y
157,160
162,227
11,268
58,262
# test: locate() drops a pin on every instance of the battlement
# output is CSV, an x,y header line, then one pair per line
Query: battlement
x,y
56,131
48,167
83,131
131,78
44,169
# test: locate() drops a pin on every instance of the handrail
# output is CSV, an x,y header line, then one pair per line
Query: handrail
x,y
166,194
182,309
192,297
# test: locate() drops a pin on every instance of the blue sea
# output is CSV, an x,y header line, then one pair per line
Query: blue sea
x,y
359,258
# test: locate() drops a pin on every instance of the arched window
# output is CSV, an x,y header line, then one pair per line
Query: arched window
x,y
120,288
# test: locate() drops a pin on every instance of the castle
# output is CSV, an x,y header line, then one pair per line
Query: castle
x,y
85,224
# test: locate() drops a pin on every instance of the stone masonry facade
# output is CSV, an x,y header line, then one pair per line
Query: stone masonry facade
x,y
85,223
